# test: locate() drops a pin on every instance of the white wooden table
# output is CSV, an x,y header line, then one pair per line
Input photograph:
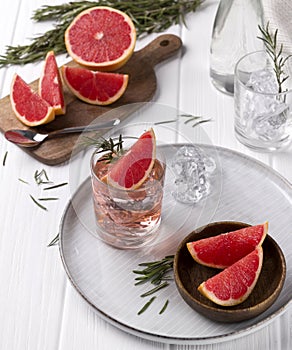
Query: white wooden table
x,y
39,308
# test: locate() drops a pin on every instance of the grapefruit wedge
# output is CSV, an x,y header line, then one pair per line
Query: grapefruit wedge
x,y
132,169
224,250
234,284
98,88
28,106
101,38
50,84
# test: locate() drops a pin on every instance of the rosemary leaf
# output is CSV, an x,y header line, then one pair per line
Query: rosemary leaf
x,y
23,181
148,16
41,177
166,122
201,122
145,307
4,158
56,186
48,199
37,203
164,307
154,290
54,241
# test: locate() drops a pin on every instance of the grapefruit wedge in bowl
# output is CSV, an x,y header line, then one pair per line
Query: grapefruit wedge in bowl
x,y
261,283
223,250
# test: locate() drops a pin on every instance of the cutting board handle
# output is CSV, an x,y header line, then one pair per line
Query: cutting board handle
x,y
161,48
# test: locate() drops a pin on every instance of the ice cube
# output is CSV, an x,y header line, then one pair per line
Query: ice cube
x,y
264,81
271,126
192,168
264,113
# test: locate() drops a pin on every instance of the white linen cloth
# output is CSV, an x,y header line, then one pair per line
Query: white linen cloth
x,y
279,14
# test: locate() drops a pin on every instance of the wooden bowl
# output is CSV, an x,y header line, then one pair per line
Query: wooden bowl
x,y
189,275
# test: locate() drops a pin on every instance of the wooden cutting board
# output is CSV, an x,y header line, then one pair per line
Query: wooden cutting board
x,y
141,88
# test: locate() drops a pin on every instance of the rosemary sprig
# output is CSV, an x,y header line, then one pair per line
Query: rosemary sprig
x,y
154,272
148,16
275,52
112,147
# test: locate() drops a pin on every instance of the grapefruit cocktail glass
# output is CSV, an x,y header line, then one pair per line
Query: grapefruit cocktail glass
x,y
127,219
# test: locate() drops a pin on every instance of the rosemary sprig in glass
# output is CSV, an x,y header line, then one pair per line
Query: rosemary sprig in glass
x,y
148,16
113,146
275,52
155,273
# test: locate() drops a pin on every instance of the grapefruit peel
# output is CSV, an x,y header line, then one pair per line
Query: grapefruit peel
x,y
109,36
27,105
93,87
233,285
225,249
131,170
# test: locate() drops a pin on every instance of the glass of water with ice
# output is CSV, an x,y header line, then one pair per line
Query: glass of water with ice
x,y
263,110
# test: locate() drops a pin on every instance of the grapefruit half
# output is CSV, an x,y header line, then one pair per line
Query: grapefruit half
x,y
132,169
50,84
225,249
98,88
28,106
101,38
234,284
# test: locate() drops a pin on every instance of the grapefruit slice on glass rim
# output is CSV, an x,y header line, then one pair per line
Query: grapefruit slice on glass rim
x,y
101,38
131,170
234,284
28,106
50,84
225,249
98,88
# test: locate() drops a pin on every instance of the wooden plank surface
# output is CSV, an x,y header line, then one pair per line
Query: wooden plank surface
x,y
141,88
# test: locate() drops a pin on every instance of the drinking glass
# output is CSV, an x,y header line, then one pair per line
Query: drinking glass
x,y
127,219
263,119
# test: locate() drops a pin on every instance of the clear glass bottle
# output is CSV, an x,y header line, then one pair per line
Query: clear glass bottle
x,y
234,34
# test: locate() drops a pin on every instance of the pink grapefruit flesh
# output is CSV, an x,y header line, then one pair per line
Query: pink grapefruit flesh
x,y
234,284
28,106
225,249
98,88
132,169
50,84
101,38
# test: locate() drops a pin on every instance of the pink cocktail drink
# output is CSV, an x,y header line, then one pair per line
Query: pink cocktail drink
x,y
127,218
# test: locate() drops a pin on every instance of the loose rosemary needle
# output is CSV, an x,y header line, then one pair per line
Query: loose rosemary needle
x,y
148,16
4,158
